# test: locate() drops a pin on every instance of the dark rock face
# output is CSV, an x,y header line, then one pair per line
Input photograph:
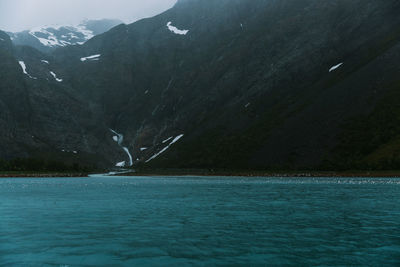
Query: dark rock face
x,y
249,84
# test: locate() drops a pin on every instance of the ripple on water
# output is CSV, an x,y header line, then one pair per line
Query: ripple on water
x,y
106,221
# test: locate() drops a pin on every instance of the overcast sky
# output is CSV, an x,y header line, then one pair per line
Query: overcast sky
x,y
17,15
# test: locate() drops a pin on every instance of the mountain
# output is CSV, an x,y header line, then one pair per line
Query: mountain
x,y
46,39
39,117
230,84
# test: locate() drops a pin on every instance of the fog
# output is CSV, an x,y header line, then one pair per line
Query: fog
x,y
17,15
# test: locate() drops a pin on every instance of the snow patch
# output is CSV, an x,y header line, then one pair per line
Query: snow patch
x,y
176,30
55,77
119,137
166,140
23,66
120,164
143,148
165,148
176,139
91,58
68,151
335,67
44,61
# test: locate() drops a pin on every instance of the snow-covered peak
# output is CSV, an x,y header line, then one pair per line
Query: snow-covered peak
x,y
120,164
53,36
62,35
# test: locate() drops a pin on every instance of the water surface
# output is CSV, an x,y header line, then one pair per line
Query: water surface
x,y
161,221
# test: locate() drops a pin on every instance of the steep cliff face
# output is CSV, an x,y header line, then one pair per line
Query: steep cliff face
x,y
232,84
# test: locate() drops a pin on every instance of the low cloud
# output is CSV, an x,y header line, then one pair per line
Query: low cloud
x,y
17,15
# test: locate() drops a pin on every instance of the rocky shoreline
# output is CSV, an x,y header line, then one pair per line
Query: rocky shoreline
x,y
43,175
283,174
196,172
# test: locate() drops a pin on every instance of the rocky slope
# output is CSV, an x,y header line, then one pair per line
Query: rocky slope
x,y
229,84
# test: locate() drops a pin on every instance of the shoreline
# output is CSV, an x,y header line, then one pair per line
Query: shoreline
x,y
267,174
43,175
211,173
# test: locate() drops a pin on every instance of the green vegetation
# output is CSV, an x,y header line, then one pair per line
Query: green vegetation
x,y
372,141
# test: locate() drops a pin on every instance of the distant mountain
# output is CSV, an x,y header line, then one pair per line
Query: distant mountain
x,y
231,84
46,39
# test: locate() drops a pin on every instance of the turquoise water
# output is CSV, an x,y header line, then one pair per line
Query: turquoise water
x,y
161,221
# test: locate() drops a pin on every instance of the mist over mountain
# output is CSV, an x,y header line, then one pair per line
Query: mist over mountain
x,y
230,84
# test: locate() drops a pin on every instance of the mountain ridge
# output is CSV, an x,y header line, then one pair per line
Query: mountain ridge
x,y
268,91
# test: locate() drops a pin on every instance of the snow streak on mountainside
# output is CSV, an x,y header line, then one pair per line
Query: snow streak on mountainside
x,y
55,77
23,66
176,139
335,67
176,30
119,138
91,58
